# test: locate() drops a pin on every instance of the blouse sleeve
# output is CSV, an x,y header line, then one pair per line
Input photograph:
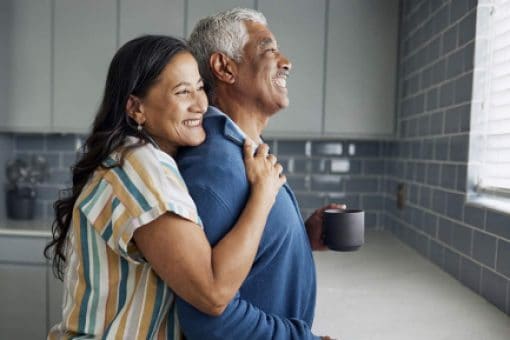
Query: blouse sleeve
x,y
127,197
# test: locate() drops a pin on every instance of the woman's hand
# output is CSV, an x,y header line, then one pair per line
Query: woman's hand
x,y
263,172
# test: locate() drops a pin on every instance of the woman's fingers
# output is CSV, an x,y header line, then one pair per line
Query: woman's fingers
x,y
272,159
262,150
248,149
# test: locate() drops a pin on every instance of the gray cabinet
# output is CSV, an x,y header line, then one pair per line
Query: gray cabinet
x,y
25,76
30,298
299,27
150,17
198,9
23,301
85,40
361,68
344,56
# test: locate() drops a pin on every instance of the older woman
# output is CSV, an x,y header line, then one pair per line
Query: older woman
x,y
129,236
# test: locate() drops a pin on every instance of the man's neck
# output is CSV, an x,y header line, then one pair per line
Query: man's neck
x,y
251,122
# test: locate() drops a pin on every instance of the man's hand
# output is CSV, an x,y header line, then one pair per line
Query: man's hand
x,y
314,226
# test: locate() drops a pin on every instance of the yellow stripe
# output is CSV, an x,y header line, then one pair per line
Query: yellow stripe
x,y
123,195
128,307
77,295
104,216
162,329
150,301
113,288
146,178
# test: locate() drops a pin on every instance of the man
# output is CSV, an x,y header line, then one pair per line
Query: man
x,y
246,77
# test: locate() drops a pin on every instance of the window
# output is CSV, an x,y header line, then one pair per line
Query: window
x,y
489,157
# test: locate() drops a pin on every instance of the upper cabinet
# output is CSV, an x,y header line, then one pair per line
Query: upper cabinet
x,y
343,53
150,17
25,69
299,28
85,41
361,68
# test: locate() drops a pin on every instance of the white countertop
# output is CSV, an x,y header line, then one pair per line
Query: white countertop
x,y
386,290
36,227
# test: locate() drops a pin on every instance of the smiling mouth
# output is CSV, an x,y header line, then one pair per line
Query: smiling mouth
x,y
280,80
192,122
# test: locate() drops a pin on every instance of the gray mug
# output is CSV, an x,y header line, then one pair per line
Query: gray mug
x,y
344,229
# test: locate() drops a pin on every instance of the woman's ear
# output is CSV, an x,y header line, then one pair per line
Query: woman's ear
x,y
223,67
134,109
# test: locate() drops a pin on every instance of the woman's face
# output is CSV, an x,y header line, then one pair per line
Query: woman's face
x,y
173,108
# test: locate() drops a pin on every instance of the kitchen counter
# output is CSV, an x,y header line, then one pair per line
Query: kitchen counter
x,y
386,290
36,227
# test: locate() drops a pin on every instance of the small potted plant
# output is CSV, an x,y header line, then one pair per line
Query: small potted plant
x,y
21,193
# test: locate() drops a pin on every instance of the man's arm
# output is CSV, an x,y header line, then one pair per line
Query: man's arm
x,y
241,319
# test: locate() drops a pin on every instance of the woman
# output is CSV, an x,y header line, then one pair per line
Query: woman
x,y
129,235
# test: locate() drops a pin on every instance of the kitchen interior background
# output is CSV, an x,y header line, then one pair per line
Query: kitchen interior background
x,y
429,155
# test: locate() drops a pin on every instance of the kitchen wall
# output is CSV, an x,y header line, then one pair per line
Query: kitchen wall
x,y
59,151
308,165
6,143
430,158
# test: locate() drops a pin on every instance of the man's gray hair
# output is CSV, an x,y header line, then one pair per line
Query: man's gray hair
x,y
223,32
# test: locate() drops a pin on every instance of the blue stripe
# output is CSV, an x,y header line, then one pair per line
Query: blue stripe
x,y
86,267
109,162
133,190
87,199
123,283
156,312
107,233
171,320
172,168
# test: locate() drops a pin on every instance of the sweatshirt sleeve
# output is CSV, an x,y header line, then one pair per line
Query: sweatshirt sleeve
x,y
241,319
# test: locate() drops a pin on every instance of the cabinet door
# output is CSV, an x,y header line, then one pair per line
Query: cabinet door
x,y
55,297
85,41
299,28
22,301
150,17
25,75
197,9
361,68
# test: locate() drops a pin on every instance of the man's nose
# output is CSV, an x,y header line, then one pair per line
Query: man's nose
x,y
284,63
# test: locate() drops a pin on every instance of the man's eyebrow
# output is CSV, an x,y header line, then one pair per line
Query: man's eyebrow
x,y
266,41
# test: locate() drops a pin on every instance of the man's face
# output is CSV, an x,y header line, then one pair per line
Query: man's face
x,y
263,71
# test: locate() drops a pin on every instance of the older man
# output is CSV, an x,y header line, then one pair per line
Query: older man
x,y
246,81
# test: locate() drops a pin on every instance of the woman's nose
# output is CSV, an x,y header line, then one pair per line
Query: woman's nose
x,y
201,103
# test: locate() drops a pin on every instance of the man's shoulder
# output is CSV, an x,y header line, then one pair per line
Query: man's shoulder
x,y
217,160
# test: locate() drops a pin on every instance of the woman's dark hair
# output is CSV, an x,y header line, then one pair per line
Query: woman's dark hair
x,y
134,69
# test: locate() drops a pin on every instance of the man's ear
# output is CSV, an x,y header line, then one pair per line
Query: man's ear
x,y
134,109
223,67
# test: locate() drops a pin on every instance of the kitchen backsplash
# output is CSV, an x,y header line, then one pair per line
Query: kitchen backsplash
x,y
320,172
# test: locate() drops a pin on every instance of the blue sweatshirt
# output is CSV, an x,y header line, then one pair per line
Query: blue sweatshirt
x,y
277,300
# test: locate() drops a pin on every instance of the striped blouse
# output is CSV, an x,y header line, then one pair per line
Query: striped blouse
x,y
110,291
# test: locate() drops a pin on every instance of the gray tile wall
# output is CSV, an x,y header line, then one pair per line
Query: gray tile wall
x,y
312,171
431,153
6,143
308,165
59,151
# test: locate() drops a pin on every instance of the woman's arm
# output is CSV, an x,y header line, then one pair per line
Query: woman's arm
x,y
181,255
